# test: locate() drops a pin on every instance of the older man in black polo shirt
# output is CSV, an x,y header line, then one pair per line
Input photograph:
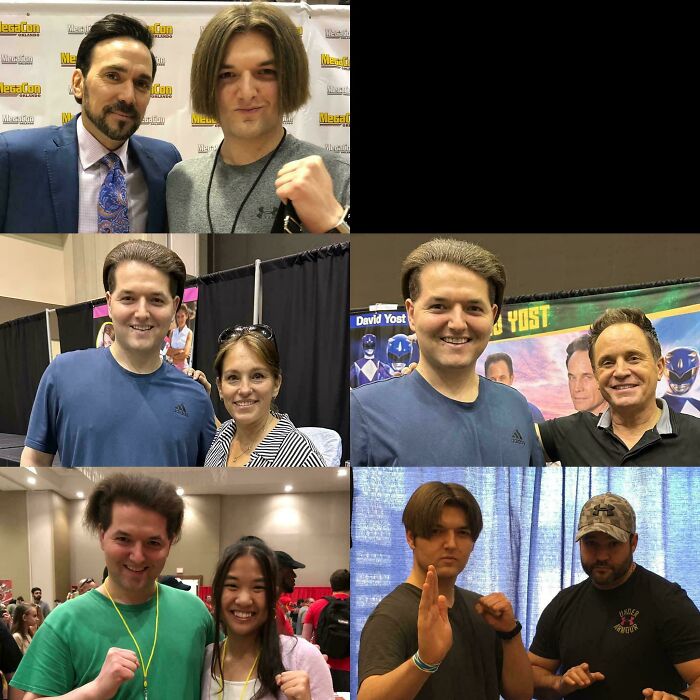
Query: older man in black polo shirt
x,y
637,428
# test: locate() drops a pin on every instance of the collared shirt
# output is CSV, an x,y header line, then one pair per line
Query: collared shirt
x,y
583,439
91,175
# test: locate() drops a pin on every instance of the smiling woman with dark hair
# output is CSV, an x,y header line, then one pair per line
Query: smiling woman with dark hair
x,y
254,662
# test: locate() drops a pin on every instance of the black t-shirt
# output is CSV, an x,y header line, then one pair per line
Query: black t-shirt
x,y
576,440
632,634
10,655
472,667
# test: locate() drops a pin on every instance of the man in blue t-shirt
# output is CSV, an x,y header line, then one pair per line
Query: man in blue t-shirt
x,y
443,413
122,405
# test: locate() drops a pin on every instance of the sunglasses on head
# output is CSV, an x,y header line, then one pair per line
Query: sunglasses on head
x,y
259,328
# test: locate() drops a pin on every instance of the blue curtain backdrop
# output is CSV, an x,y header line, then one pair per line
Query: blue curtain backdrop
x,y
526,549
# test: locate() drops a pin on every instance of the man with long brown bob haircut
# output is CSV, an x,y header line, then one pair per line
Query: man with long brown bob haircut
x,y
250,69
131,637
122,405
429,639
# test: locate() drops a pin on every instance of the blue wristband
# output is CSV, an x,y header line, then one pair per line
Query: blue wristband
x,y
427,668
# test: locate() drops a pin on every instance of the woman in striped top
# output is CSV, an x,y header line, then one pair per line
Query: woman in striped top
x,y
248,378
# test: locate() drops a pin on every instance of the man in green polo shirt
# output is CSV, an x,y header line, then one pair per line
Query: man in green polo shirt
x,y
131,637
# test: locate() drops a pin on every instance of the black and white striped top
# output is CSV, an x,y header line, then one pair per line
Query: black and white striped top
x,y
283,446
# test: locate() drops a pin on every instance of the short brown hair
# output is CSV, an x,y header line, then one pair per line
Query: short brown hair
x,y
264,348
448,250
291,61
340,580
143,491
149,253
625,315
422,512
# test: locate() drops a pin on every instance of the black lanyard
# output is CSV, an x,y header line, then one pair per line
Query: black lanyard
x,y
250,191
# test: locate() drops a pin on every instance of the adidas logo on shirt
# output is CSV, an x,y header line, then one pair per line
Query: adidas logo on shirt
x,y
517,437
180,408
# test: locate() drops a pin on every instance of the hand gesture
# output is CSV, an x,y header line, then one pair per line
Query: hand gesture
x,y
658,694
497,611
578,677
308,184
434,629
119,666
294,684
200,377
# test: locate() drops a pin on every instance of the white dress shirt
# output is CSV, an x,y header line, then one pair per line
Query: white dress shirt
x,y
91,175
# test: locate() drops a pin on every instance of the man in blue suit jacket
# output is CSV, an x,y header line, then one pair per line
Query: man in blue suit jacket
x,y
45,187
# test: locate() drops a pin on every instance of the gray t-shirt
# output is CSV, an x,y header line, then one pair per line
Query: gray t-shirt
x,y
188,180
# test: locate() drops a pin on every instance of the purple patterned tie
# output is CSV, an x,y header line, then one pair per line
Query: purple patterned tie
x,y
112,205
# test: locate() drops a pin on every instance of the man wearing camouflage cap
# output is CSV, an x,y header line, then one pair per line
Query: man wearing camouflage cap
x,y
624,632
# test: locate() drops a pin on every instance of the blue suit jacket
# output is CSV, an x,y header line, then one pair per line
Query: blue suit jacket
x,y
39,179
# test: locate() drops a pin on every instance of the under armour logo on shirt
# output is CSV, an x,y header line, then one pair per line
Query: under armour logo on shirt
x,y
112,204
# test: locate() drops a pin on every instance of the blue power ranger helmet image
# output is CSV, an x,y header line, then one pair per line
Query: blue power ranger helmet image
x,y
681,369
369,344
398,350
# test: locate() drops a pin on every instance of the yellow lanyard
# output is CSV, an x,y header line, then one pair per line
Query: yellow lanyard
x,y
250,673
144,667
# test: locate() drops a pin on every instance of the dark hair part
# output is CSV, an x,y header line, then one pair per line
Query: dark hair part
x,y
583,342
112,26
499,357
422,512
148,253
291,61
448,250
36,588
270,663
340,580
143,491
625,315
264,348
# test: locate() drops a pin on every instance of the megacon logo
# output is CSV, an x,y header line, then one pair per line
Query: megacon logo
x,y
66,117
20,90
19,29
153,121
18,119
205,148
337,33
338,90
161,31
328,61
67,59
160,61
289,121
158,90
78,28
201,120
325,119
19,60
337,148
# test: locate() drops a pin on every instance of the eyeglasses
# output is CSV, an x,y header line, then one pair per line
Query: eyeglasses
x,y
259,328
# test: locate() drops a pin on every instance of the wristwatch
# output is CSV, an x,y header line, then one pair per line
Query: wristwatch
x,y
509,635
343,226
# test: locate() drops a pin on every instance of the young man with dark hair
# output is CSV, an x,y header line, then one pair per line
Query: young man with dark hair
x,y
122,405
130,635
443,413
92,174
333,620
36,596
429,639
637,429
249,69
623,632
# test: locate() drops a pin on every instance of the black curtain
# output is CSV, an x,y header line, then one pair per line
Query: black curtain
x,y
25,355
305,301
75,327
225,299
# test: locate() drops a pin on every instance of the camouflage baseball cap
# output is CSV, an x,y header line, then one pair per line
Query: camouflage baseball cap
x,y
610,514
